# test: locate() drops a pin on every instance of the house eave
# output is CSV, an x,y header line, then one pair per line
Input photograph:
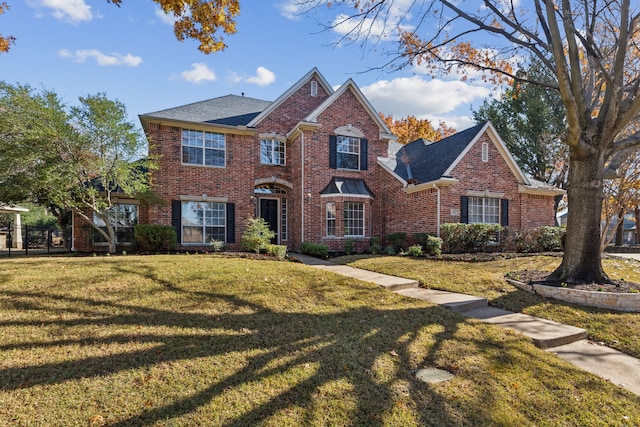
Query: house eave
x,y
540,191
440,182
237,130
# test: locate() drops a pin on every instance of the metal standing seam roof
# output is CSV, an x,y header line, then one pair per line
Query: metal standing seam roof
x,y
347,186
230,110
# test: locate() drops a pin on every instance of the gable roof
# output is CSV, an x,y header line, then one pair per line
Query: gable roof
x,y
313,73
350,85
232,110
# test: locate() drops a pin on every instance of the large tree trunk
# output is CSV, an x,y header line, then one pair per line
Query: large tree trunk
x,y
582,261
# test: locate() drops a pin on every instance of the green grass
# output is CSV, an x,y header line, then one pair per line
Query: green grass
x,y
189,340
616,329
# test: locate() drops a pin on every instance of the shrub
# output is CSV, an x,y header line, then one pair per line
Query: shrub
x,y
415,250
315,249
375,249
390,250
349,246
433,245
464,238
539,239
217,245
155,237
398,240
278,251
421,239
257,235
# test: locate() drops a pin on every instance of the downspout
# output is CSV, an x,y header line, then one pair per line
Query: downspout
x,y
302,186
437,209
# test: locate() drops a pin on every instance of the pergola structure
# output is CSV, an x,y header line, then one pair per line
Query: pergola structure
x,y
17,226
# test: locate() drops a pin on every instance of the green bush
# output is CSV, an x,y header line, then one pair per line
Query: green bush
x,y
415,250
315,249
155,237
349,246
421,239
257,235
539,239
278,251
433,245
217,245
375,249
398,240
390,250
464,238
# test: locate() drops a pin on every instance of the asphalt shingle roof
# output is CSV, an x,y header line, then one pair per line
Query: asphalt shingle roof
x,y
427,162
230,110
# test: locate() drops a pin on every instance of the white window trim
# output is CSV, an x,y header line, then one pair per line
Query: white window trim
x,y
484,210
338,152
202,165
327,219
273,140
485,152
364,220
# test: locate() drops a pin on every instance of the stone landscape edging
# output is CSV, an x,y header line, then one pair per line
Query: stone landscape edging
x,y
610,300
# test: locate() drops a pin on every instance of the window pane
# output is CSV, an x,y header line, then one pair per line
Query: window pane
x,y
122,217
348,153
266,152
484,210
272,152
203,148
203,221
331,219
353,219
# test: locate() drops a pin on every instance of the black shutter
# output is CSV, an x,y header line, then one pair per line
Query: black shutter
x,y
504,212
364,154
231,223
464,209
176,218
333,148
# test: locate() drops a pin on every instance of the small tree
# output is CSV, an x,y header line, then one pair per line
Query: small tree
x,y
257,234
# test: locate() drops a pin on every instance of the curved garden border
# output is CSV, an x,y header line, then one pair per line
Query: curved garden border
x,y
609,300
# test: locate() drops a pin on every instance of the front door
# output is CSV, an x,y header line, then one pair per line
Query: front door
x,y
269,212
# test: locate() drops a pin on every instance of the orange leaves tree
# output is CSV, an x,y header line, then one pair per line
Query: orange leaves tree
x,y
200,20
591,48
410,128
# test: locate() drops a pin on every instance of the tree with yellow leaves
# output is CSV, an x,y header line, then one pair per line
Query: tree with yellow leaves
x,y
410,128
200,20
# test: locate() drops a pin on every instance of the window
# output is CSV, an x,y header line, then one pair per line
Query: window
x,y
484,210
331,219
203,148
348,152
485,152
314,88
272,152
353,219
122,217
203,222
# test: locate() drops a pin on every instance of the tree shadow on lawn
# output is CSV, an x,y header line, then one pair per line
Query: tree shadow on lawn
x,y
374,350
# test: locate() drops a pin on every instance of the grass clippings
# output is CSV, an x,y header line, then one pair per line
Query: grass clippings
x,y
196,340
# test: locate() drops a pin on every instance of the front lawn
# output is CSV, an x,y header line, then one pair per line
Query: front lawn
x,y
196,340
615,329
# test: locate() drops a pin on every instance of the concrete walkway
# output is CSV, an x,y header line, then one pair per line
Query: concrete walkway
x,y
568,342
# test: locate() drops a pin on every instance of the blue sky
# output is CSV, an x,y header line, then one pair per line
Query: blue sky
x,y
81,47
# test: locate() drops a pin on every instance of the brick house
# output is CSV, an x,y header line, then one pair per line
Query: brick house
x,y
319,165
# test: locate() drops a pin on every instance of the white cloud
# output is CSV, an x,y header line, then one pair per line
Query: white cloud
x,y
263,77
169,19
72,11
199,73
432,99
291,9
102,59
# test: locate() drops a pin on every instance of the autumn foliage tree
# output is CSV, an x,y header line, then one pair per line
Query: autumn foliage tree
x,y
200,20
410,128
591,49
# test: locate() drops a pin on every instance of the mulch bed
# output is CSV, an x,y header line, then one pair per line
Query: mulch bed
x,y
538,277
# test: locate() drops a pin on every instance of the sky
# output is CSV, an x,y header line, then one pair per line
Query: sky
x,y
82,47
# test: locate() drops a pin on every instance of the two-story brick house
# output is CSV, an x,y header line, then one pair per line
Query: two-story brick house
x,y
319,165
